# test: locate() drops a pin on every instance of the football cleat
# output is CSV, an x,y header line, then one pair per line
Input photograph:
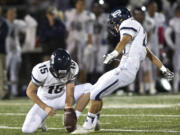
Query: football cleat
x,y
82,130
97,126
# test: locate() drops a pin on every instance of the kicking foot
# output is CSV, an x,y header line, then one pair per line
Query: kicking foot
x,y
97,126
82,130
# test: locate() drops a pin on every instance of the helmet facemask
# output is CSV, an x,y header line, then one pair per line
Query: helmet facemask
x,y
58,73
113,26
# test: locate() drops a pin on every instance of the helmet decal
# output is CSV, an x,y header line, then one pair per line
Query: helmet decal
x,y
116,13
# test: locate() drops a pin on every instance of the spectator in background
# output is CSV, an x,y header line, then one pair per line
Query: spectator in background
x,y
174,44
99,40
79,24
52,33
13,47
153,24
3,35
30,34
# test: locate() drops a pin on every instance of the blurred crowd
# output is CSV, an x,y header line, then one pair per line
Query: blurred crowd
x,y
31,30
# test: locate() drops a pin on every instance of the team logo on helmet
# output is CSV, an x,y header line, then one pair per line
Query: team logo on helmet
x,y
116,13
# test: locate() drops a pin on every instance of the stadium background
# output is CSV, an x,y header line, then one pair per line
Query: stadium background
x,y
37,10
122,114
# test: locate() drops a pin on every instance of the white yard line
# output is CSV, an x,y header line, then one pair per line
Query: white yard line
x,y
155,121
136,130
143,97
134,106
109,106
106,130
102,115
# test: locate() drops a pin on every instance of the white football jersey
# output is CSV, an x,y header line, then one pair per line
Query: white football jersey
x,y
49,86
135,51
79,25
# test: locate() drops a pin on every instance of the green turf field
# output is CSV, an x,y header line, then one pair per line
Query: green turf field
x,y
121,115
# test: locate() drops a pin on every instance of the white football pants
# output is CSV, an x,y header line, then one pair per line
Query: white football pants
x,y
110,81
37,115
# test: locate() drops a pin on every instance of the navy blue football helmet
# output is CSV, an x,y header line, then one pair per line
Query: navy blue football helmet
x,y
60,63
116,18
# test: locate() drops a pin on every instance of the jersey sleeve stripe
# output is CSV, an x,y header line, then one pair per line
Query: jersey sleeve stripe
x,y
36,81
129,28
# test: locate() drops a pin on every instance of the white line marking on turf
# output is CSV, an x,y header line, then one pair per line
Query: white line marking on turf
x,y
103,115
7,127
106,130
109,106
134,106
136,130
155,121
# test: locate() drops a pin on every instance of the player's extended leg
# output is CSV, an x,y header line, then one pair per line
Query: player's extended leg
x,y
34,119
107,83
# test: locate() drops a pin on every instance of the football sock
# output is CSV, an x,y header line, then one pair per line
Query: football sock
x,y
88,124
78,113
96,119
147,86
91,117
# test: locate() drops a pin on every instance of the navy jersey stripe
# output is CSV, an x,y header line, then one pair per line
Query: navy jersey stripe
x,y
98,95
128,28
39,82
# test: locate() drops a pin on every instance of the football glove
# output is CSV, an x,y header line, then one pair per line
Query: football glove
x,y
167,73
109,57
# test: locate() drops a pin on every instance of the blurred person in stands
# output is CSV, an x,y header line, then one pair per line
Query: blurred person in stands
x,y
79,24
30,34
52,33
174,44
153,24
3,35
99,39
13,47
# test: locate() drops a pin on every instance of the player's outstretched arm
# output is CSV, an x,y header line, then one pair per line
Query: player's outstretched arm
x,y
119,48
153,58
167,73
69,95
31,93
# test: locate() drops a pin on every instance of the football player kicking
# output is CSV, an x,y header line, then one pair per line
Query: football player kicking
x,y
53,81
133,48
